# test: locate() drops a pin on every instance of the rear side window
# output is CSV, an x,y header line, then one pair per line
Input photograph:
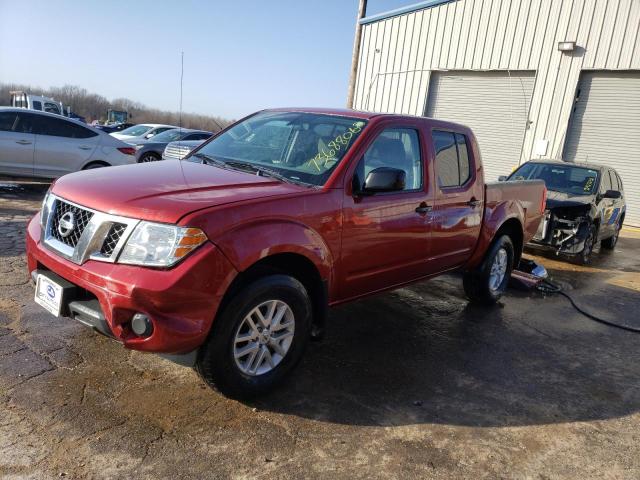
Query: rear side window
x,y
37,105
52,108
453,166
198,136
55,127
7,121
620,186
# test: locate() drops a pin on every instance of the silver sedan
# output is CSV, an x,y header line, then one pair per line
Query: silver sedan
x,y
151,150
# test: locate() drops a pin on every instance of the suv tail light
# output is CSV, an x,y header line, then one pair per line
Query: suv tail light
x,y
127,150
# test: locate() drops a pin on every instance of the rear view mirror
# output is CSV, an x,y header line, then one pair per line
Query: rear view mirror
x,y
385,179
502,178
615,194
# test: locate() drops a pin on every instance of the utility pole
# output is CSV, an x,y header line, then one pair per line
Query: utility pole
x,y
362,11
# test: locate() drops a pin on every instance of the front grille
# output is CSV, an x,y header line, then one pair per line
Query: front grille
x,y
81,218
112,238
177,152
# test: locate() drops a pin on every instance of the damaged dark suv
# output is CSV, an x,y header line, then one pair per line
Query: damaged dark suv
x,y
585,205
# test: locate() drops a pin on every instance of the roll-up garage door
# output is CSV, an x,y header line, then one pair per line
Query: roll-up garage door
x,y
605,128
495,105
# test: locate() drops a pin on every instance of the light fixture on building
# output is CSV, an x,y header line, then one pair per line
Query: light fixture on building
x,y
566,46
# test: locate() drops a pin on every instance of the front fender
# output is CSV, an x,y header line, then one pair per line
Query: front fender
x,y
248,244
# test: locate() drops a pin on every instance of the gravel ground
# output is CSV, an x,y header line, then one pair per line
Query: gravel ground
x,y
413,383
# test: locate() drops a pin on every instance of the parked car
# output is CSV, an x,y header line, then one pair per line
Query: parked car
x,y
179,150
585,205
113,127
151,150
143,131
230,259
39,144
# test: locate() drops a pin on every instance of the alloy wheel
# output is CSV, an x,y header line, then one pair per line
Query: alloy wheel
x,y
264,337
498,269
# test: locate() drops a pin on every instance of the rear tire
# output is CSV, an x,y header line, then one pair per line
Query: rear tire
x,y
246,355
610,243
487,283
93,165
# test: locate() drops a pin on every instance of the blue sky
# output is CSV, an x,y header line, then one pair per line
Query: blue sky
x,y
240,55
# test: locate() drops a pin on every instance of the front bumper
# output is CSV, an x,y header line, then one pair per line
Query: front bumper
x,y
181,302
561,237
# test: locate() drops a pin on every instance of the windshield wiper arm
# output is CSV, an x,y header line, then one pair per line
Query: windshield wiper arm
x,y
209,160
260,170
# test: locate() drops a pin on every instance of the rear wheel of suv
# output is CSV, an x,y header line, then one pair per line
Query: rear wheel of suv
x,y
489,281
610,243
258,338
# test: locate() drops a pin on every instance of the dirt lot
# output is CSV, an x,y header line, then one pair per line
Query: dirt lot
x,y
414,383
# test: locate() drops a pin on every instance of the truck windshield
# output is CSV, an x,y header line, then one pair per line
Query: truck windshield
x,y
301,147
560,178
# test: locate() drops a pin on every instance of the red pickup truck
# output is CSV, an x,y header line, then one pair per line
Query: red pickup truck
x,y
229,259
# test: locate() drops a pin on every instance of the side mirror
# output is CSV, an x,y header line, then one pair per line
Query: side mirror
x,y
149,135
385,179
502,178
615,194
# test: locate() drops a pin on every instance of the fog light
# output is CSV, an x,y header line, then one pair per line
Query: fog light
x,y
141,325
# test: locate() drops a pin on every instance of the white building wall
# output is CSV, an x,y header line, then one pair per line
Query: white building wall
x,y
399,53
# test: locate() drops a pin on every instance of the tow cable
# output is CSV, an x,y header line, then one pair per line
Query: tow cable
x,y
530,275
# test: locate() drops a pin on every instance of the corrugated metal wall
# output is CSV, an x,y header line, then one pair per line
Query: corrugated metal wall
x,y
399,53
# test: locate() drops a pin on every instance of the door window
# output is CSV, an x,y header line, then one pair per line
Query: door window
x,y
453,165
7,121
56,127
37,105
605,183
396,148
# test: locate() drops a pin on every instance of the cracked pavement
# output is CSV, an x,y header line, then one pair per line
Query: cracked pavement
x,y
413,383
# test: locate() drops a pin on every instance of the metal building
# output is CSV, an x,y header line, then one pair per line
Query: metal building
x,y
533,78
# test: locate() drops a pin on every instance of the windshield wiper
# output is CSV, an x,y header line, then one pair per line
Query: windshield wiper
x,y
260,170
209,160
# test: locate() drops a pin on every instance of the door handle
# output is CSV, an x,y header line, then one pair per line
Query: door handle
x,y
423,208
84,148
24,142
473,203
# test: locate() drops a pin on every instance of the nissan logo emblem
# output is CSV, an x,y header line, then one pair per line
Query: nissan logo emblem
x,y
66,224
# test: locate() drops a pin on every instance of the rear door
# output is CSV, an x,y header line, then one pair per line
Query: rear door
x,y
62,146
386,235
17,143
459,195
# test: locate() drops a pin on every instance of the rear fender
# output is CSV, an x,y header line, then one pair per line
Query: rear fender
x,y
495,216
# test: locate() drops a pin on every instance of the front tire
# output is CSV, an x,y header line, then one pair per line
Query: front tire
x,y
258,338
489,281
585,255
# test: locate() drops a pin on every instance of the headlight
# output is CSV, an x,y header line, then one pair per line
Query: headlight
x,y
44,209
160,245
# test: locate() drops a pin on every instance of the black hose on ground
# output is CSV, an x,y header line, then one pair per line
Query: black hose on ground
x,y
550,288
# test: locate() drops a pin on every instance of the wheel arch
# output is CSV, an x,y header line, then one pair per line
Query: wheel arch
x,y
90,163
512,227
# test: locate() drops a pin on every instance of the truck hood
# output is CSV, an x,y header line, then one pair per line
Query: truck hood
x,y
165,191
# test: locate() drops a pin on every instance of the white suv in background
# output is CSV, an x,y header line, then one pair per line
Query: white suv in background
x,y
143,131
39,144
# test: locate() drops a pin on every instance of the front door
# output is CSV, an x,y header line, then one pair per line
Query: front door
x,y
458,204
386,235
17,144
